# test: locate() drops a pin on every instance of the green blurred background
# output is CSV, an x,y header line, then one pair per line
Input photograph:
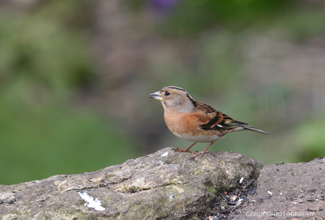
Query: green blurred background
x,y
75,78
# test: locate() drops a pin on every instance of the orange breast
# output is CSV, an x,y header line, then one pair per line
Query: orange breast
x,y
180,122
185,124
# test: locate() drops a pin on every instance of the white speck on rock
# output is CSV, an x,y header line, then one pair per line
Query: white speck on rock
x,y
241,180
238,202
91,202
170,196
6,196
164,154
269,192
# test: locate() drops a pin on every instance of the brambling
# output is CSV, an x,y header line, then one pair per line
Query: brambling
x,y
195,121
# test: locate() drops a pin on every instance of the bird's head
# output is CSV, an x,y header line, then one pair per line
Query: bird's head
x,y
175,98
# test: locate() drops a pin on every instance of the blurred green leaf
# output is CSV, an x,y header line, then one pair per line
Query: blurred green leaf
x,y
40,48
38,142
310,140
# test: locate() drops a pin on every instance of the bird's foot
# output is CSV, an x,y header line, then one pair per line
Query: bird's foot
x,y
179,150
198,154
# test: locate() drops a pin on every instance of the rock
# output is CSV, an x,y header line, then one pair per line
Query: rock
x,y
163,185
287,191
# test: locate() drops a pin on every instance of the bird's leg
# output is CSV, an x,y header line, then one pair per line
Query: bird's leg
x,y
186,149
201,153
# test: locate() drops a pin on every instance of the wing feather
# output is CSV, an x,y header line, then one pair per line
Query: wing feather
x,y
212,119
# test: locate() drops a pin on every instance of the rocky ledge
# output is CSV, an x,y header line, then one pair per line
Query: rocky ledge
x,y
170,185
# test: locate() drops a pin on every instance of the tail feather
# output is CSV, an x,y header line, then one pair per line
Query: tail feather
x,y
239,126
247,127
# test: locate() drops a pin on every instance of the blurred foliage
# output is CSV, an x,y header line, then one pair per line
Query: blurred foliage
x,y
45,63
192,17
303,22
218,59
37,48
37,142
197,16
310,140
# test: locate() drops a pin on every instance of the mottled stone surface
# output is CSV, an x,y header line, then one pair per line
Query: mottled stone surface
x,y
288,191
162,185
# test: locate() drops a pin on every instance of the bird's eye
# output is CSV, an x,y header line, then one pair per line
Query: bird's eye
x,y
167,93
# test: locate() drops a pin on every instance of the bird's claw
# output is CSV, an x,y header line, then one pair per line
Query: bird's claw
x,y
179,150
198,154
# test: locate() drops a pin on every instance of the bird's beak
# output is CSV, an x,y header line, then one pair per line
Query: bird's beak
x,y
156,95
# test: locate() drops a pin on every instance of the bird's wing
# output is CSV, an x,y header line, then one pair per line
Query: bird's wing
x,y
221,121
212,119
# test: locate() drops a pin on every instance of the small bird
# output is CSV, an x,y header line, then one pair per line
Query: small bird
x,y
195,121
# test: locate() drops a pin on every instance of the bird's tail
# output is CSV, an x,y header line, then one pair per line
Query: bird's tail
x,y
248,127
239,126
